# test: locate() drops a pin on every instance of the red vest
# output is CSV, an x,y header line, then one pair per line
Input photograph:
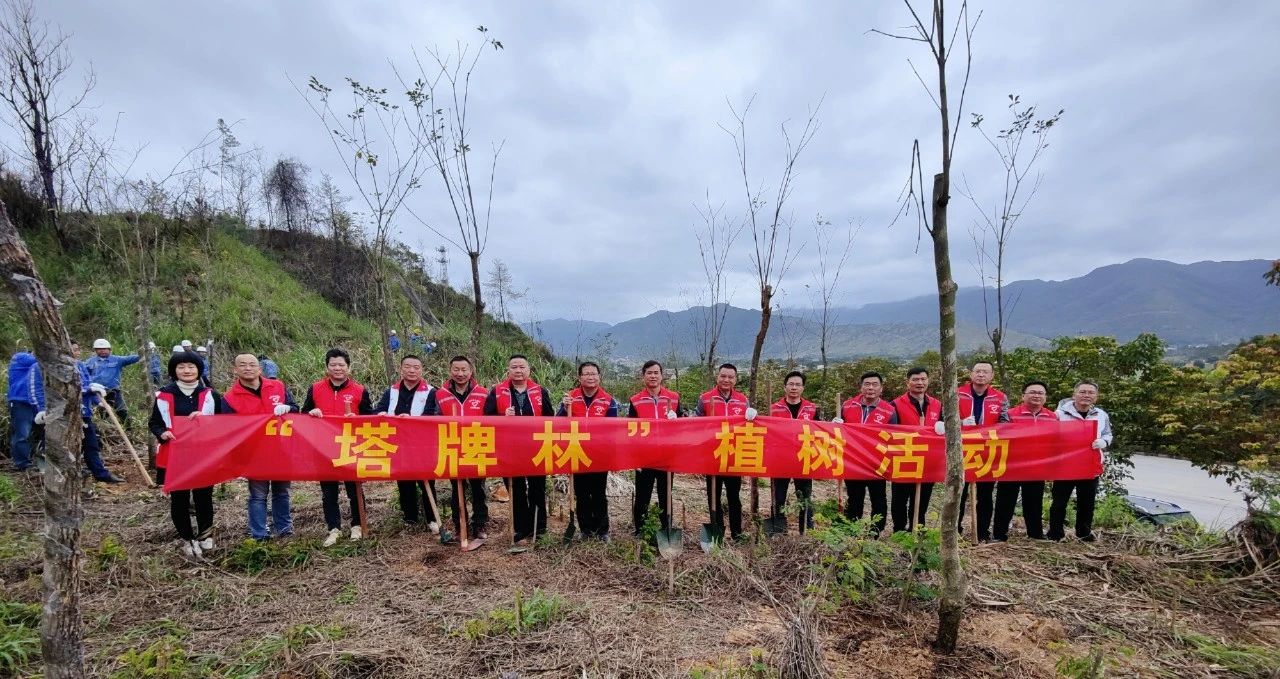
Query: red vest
x,y
909,416
534,391
448,405
654,407
1021,413
851,411
808,411
714,406
599,405
994,402
337,403
245,402
165,404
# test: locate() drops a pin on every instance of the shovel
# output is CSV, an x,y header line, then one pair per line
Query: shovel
x,y
570,529
775,524
111,412
839,482
465,544
445,536
712,534
670,540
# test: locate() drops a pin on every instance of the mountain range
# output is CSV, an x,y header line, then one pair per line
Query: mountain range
x,y
1184,304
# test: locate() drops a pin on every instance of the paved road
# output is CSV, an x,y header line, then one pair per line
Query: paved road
x,y
1208,498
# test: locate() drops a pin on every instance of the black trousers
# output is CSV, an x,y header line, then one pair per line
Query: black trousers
x,y
858,491
592,504
329,498
180,502
1086,496
804,496
479,515
732,485
903,499
529,497
1032,508
646,480
986,508
413,497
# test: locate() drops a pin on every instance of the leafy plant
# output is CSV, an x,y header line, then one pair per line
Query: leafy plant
x,y
538,610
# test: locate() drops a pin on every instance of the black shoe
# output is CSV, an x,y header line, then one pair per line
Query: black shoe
x,y
109,478
1089,538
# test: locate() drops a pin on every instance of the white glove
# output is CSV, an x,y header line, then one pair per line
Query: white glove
x,y
97,389
940,428
751,414
968,421
671,415
40,417
837,420
1099,444
281,409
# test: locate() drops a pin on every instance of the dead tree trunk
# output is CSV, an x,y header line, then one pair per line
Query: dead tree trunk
x,y
60,627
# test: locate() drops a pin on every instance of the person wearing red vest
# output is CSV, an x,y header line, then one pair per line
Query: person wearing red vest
x,y
335,396
653,402
590,400
461,396
185,397
793,405
868,408
981,404
914,409
724,401
520,396
411,397
1034,396
253,394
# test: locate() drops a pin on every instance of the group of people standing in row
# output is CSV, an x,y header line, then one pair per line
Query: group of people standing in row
x,y
337,394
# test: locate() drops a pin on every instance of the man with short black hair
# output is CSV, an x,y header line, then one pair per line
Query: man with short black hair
x,y
915,409
520,396
793,405
411,397
652,402
725,401
1034,395
590,399
461,396
335,396
1077,408
868,408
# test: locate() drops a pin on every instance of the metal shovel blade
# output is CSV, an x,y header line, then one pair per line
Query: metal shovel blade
x,y
670,543
775,525
710,537
472,544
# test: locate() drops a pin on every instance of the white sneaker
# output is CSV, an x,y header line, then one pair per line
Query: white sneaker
x,y
184,546
434,528
333,538
356,533
207,544
196,552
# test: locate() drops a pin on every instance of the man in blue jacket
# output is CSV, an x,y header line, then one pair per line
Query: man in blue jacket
x,y
26,396
104,369
90,395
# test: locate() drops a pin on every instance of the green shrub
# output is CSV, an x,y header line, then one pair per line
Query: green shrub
x,y
537,611
108,553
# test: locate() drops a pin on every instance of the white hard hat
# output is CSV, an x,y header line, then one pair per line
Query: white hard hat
x,y
178,348
432,345
392,332
201,350
186,343
151,345
101,344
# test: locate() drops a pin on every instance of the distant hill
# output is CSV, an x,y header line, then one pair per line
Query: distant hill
x,y
1205,302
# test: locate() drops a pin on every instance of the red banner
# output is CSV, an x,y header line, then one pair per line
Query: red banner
x,y
211,450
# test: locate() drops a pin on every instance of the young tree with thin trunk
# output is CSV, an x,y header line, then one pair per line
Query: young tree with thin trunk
x,y
833,254
37,63
715,242
501,284
1018,147
941,37
61,639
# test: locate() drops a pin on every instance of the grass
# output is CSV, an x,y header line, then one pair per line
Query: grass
x,y
536,611
1241,659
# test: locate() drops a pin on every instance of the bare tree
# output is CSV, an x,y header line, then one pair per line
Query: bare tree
x,y
501,284
991,235
61,636
380,144
236,174
941,38
444,93
715,242
285,187
827,277
37,63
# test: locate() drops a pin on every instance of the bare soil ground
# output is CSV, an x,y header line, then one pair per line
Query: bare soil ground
x,y
400,604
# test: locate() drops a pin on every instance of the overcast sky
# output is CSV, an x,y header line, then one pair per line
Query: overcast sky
x,y
609,116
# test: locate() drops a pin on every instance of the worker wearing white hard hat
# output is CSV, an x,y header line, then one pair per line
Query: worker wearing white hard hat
x,y
104,371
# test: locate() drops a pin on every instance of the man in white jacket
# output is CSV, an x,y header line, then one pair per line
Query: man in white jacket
x,y
1079,407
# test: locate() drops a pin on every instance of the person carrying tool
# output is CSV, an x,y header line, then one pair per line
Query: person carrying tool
x,y
462,397
725,401
866,408
794,406
589,399
185,397
652,402
915,409
411,397
520,396
335,396
254,394
104,368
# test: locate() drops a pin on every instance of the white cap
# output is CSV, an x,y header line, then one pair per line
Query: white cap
x,y
151,345
186,343
201,350
178,348
101,344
